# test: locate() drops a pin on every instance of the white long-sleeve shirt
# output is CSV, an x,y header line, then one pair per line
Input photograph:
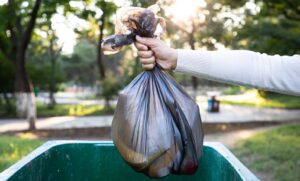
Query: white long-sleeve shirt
x,y
275,73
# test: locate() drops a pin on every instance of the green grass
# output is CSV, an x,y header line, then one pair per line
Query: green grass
x,y
63,110
233,90
252,98
275,152
72,110
13,149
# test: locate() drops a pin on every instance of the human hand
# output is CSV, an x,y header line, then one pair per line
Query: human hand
x,y
159,53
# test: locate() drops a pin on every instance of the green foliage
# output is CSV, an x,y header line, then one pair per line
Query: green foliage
x,y
231,3
110,86
41,75
7,75
272,35
233,90
129,67
17,14
80,67
143,3
13,149
39,65
289,8
275,152
274,30
97,23
72,110
8,111
271,100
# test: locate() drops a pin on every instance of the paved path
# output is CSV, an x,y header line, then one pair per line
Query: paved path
x,y
227,114
230,113
57,123
229,139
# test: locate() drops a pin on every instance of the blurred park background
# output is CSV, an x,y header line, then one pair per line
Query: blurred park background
x,y
55,83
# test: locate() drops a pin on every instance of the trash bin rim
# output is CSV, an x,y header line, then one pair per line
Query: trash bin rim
x,y
243,171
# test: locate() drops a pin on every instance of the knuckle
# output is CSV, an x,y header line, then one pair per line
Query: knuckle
x,y
146,67
139,46
143,61
152,59
139,53
144,47
150,53
144,54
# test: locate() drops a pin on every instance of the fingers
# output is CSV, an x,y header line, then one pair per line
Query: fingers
x,y
148,63
148,66
140,46
150,60
145,54
149,42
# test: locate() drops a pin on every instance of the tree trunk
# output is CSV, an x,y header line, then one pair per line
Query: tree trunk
x,y
107,104
52,100
20,39
100,63
99,51
1,100
25,99
26,106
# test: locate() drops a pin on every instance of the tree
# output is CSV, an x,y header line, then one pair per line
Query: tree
x,y
18,19
103,23
108,9
80,67
110,87
19,29
99,25
195,24
54,52
42,65
274,29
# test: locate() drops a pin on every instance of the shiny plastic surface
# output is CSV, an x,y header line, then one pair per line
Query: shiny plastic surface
x,y
157,126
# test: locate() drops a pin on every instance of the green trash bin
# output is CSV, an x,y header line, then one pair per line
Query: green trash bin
x,y
99,160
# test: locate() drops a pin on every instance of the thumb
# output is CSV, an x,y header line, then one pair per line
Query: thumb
x,y
150,42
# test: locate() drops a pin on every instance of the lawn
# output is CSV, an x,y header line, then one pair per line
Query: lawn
x,y
275,153
252,98
72,110
63,110
13,149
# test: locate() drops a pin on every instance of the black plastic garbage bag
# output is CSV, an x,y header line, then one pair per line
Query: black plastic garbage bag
x,y
157,126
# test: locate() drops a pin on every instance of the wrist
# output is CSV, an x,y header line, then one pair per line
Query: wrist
x,y
174,59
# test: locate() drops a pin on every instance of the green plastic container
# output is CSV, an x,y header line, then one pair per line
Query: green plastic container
x,y
99,160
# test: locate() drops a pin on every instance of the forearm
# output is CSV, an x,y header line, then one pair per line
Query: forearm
x,y
275,73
